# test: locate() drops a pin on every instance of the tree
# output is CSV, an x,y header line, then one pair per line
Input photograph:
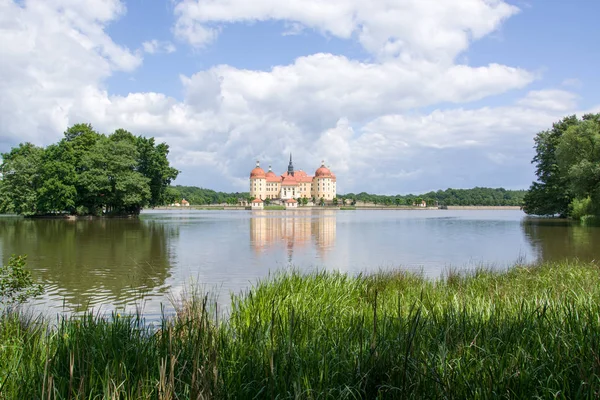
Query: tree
x,y
86,173
57,191
566,160
154,165
578,158
335,201
109,180
550,195
20,170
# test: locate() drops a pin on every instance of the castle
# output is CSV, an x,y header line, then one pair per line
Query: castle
x,y
292,184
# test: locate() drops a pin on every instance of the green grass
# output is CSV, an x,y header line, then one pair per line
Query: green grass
x,y
531,332
274,207
348,208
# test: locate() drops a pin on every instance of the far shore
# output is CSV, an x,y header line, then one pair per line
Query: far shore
x,y
357,207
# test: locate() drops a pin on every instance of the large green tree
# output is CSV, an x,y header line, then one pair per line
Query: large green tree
x,y
578,156
86,173
20,170
57,191
567,166
153,164
550,195
109,180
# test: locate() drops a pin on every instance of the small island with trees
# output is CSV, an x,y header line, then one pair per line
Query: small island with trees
x,y
86,173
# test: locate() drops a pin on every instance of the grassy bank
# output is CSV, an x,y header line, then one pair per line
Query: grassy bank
x,y
274,208
530,332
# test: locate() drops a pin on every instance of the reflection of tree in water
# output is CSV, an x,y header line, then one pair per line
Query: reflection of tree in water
x,y
555,240
90,261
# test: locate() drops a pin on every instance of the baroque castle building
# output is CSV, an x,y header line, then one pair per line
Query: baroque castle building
x,y
292,184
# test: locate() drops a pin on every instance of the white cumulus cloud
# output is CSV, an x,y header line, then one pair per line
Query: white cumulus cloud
x,y
155,46
403,119
430,29
52,54
557,100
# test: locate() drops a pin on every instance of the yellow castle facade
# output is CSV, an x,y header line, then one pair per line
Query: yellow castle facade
x,y
292,184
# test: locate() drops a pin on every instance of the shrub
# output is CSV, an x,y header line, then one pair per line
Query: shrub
x,y
16,284
580,208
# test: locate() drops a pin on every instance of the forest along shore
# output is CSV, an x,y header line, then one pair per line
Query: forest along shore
x,y
356,207
329,334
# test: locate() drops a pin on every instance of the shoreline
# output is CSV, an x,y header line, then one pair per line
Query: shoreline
x,y
382,335
345,208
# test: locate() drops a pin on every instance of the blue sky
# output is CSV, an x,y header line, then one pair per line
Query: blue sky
x,y
396,96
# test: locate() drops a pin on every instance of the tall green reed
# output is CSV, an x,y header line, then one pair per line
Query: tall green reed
x,y
525,333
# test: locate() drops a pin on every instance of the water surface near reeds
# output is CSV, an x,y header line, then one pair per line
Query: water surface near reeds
x,y
124,264
531,332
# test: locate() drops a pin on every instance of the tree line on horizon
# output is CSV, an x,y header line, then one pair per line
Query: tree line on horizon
x,y
477,196
86,173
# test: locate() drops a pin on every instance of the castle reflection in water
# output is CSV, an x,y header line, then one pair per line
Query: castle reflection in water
x,y
293,230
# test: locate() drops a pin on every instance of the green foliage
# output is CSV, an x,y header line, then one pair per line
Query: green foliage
x,y
16,284
153,164
21,178
580,208
201,196
477,196
274,208
567,166
531,332
86,173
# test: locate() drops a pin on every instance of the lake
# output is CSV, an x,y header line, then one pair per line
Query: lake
x,y
126,263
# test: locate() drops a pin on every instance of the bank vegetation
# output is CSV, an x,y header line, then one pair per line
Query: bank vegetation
x,y
567,163
530,332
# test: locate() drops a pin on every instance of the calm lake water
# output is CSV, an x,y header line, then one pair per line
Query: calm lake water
x,y
121,263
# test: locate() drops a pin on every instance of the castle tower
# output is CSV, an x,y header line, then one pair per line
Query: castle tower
x,y
291,166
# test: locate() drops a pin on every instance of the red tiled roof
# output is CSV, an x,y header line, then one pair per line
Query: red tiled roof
x,y
291,201
273,178
257,201
257,172
289,180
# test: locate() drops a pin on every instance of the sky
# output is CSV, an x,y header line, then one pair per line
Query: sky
x,y
397,96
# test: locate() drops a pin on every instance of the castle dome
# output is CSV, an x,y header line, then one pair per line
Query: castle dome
x,y
323,171
257,172
270,173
